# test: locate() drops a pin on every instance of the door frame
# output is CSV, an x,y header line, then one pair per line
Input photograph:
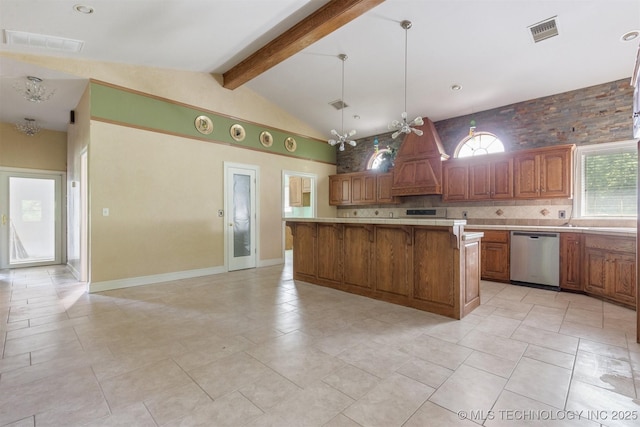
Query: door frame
x,y
61,222
227,209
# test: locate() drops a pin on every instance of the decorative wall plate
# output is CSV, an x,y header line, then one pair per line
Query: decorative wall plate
x,y
290,144
204,125
266,139
237,132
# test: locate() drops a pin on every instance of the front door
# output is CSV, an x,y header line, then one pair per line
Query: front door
x,y
240,216
30,219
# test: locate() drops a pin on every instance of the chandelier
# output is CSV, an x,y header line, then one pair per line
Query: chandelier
x,y
33,90
28,127
342,137
403,126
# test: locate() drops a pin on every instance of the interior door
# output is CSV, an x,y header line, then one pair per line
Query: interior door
x,y
30,219
240,217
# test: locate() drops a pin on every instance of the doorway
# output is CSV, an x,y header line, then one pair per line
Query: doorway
x,y
240,216
299,199
30,219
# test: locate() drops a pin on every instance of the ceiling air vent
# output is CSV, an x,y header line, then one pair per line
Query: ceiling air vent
x,y
544,30
42,41
338,105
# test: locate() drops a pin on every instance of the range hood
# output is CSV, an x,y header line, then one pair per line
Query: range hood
x,y
418,165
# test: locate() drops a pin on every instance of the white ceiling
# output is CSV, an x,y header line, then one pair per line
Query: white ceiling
x,y
482,45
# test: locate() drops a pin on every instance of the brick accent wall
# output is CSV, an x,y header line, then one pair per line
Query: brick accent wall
x,y
590,115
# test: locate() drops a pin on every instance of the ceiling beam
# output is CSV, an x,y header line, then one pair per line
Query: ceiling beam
x,y
323,21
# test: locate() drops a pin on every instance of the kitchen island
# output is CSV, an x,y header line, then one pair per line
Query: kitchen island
x,y
428,264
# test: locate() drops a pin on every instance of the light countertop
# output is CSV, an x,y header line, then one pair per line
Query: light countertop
x,y
618,231
384,221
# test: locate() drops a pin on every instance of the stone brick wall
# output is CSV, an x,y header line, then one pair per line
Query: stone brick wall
x,y
590,115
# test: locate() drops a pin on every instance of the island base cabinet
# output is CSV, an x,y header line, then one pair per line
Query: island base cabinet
x,y
431,268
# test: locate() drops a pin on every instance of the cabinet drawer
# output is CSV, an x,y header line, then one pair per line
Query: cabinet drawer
x,y
495,236
608,243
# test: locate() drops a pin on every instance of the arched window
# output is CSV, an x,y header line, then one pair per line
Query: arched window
x,y
478,144
378,159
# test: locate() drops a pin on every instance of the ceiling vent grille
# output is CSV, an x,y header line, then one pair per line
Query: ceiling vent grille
x,y
21,38
338,105
544,30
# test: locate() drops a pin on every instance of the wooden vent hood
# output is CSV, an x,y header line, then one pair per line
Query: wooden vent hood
x,y
418,165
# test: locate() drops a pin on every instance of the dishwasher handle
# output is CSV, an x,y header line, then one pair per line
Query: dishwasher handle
x,y
533,235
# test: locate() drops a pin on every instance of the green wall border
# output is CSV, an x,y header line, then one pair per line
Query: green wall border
x,y
115,104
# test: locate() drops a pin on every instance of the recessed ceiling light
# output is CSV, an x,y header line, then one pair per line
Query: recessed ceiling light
x,y
456,87
81,8
630,35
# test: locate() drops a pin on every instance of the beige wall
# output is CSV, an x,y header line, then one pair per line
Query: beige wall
x,y
46,150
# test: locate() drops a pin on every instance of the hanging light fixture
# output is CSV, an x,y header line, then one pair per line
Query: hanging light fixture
x,y
28,127
33,90
403,126
342,136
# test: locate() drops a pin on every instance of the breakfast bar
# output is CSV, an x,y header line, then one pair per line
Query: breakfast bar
x,y
427,264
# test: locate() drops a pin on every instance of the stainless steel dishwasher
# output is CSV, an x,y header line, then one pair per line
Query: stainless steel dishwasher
x,y
535,258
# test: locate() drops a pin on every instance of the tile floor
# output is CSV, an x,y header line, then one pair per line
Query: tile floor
x,y
255,348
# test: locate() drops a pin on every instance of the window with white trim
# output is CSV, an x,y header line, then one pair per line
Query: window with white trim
x,y
606,180
479,143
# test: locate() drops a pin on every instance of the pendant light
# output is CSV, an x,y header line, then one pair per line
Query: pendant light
x,y
342,137
403,126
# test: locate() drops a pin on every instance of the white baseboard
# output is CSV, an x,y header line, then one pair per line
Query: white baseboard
x,y
73,271
270,262
155,278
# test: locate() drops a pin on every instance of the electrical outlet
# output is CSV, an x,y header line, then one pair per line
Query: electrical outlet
x,y
464,214
562,214
220,213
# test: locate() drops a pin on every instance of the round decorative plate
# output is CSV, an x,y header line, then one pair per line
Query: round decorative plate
x,y
204,125
266,139
290,144
237,132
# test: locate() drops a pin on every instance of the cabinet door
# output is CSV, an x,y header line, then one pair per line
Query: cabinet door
x,y
358,241
571,261
295,191
622,278
433,274
363,189
526,176
304,250
384,182
330,265
455,181
502,179
555,174
392,260
494,262
479,181
306,185
339,190
595,271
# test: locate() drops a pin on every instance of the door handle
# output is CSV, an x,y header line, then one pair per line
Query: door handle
x,y
4,219
230,224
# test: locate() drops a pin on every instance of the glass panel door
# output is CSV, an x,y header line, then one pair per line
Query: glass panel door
x,y
31,220
240,197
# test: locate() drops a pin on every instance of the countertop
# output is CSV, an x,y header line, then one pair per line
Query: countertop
x,y
384,221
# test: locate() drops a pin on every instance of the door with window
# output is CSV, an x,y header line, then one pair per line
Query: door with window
x,y
240,208
30,219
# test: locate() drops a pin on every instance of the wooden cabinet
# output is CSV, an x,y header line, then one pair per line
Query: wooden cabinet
x,y
491,180
299,191
455,181
358,247
495,255
571,245
305,261
543,173
330,266
610,268
361,188
392,265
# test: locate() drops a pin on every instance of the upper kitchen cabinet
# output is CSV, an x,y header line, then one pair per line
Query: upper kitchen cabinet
x,y
543,173
360,188
299,191
418,165
491,179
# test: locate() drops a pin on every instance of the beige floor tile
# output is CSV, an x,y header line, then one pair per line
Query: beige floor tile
x,y
498,346
432,415
390,403
547,318
11,363
341,420
553,357
584,317
314,406
491,363
26,422
379,360
604,406
269,390
175,403
451,331
231,410
39,341
498,325
352,381
605,336
512,409
547,339
540,381
134,415
605,372
143,383
426,372
437,351
469,389
620,353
